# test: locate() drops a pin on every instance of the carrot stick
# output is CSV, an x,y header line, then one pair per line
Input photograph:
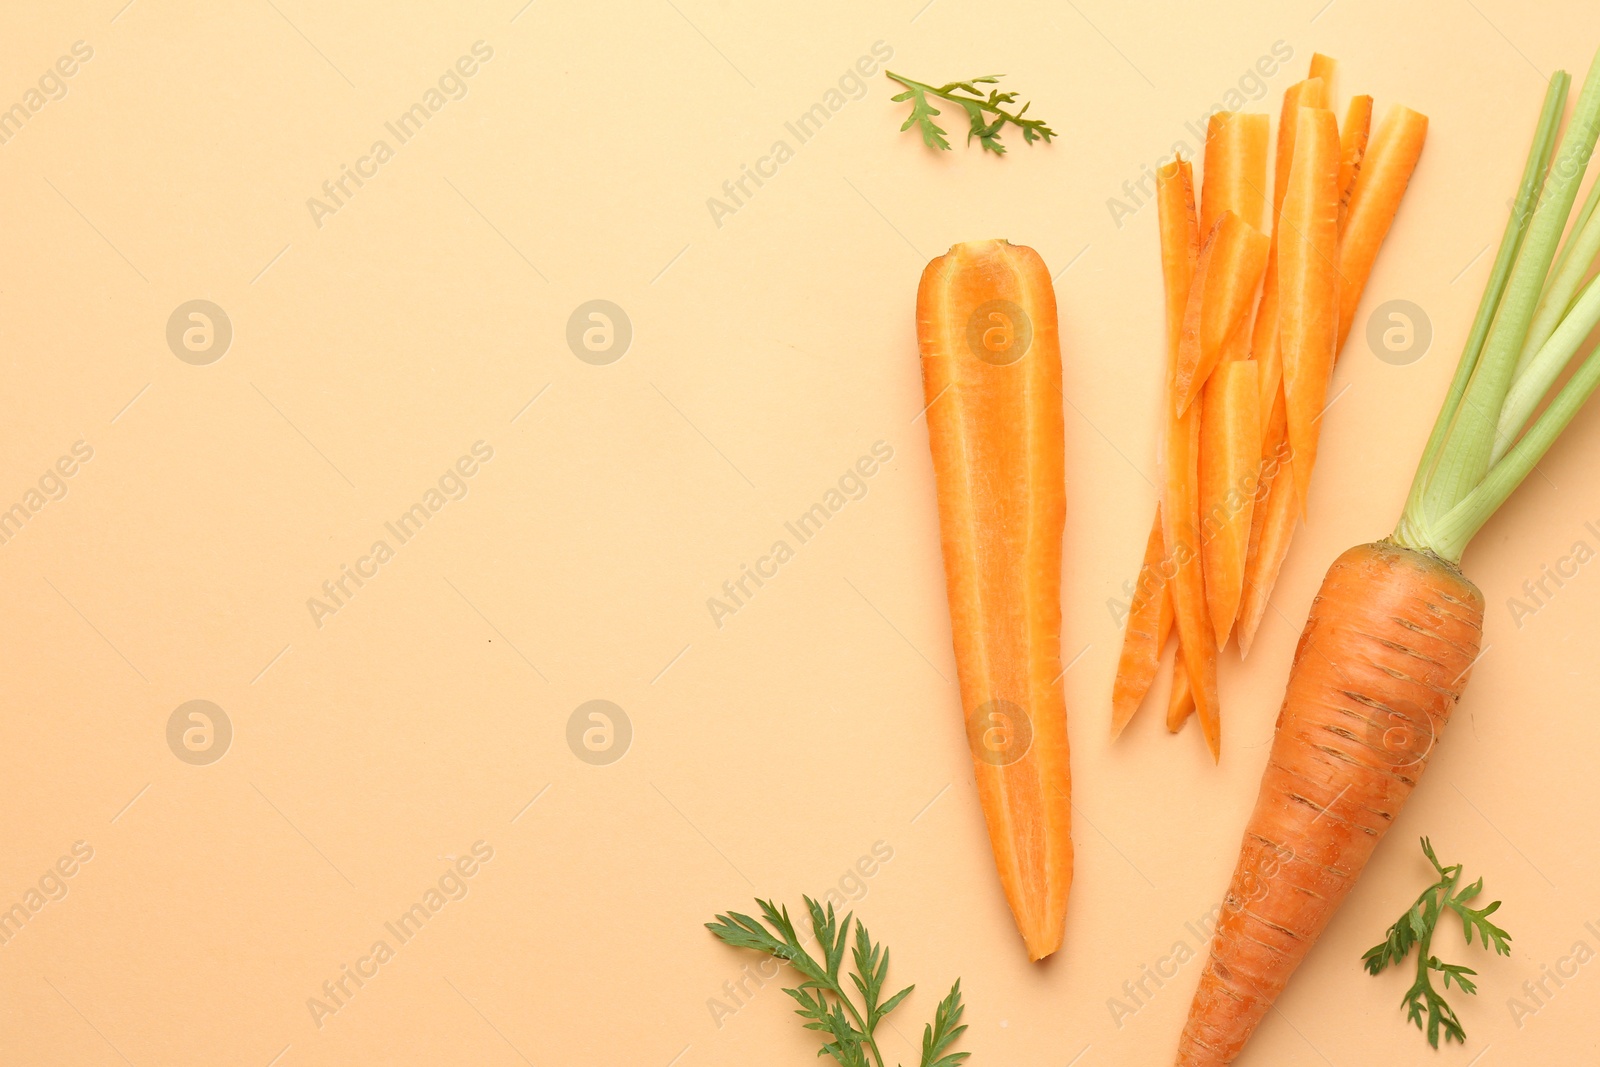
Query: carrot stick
x,y
1180,701
1235,255
1184,274
1324,67
1230,454
1264,340
1385,655
1386,170
987,331
1308,281
1235,169
1352,146
1149,623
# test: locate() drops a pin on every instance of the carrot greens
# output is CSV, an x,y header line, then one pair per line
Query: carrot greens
x,y
1416,929
823,997
978,107
1528,328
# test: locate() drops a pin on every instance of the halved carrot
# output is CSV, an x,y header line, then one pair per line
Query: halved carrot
x,y
1149,623
1230,456
1312,92
1352,147
1184,274
1235,255
1308,285
1386,170
987,332
1180,699
1235,177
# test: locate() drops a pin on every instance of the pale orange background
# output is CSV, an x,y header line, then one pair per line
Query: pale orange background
x,y
768,354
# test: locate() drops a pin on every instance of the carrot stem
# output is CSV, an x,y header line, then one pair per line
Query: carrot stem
x,y
1544,139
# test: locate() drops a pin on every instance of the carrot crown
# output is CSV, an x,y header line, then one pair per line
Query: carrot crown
x,y
1531,322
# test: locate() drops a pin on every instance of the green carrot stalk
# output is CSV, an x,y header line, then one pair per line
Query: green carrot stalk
x,y
1464,459
1544,140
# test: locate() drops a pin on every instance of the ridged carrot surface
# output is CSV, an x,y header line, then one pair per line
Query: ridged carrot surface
x,y
1308,285
991,371
1384,657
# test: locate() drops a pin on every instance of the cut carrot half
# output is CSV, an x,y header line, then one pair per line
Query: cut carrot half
x,y
1235,176
1324,67
1234,256
1271,526
1230,458
1308,285
1386,170
1149,623
986,328
1184,275
1352,147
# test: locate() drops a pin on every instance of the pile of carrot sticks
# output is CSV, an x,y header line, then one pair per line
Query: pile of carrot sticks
x,y
1255,319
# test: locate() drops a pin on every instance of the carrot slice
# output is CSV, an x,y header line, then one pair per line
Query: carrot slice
x,y
1308,285
1386,170
1235,169
1180,701
1274,509
1352,146
1149,623
1184,274
987,331
1230,456
1264,341
1235,255
1324,67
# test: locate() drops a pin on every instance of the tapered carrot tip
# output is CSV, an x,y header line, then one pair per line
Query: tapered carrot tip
x,y
1384,657
991,372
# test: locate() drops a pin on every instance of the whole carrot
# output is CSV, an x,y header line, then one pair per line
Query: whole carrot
x,y
991,372
1396,627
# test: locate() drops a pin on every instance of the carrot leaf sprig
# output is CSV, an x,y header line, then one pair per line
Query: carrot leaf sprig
x,y
1415,929
823,999
978,107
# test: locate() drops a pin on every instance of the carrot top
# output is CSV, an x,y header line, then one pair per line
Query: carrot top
x,y
1486,440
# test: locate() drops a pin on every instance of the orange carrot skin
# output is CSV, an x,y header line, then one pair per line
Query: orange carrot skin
x,y
1380,666
991,365
1180,501
1386,168
1180,701
1230,453
1148,624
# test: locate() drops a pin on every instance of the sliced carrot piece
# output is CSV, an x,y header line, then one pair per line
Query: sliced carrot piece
x,y
1149,623
1271,526
1264,341
1235,176
1235,254
1386,170
1352,146
1184,274
1324,67
1180,700
1230,458
988,335
1308,285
